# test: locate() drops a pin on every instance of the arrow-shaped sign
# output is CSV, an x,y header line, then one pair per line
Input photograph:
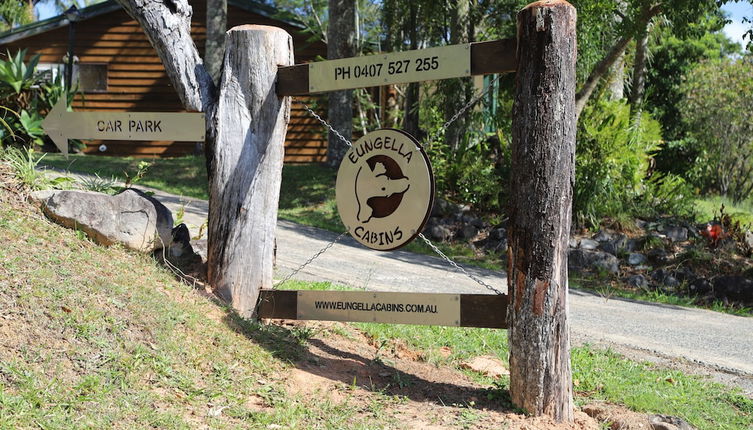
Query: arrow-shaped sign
x,y
62,125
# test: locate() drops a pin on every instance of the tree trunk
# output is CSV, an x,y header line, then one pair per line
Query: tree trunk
x,y
543,148
341,34
618,49
458,92
639,76
214,49
250,123
617,71
410,123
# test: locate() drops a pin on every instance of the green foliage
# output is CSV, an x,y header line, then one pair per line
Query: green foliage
x,y
718,106
665,193
612,159
15,74
133,177
24,165
102,185
25,97
15,12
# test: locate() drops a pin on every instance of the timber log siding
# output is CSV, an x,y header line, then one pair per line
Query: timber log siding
x,y
136,79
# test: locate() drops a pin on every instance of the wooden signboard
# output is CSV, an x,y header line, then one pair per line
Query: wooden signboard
x,y
473,310
452,61
381,307
385,189
62,125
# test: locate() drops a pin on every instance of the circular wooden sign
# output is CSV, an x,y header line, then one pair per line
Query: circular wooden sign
x,y
385,189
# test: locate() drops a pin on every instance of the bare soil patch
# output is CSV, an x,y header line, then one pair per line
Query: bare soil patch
x,y
342,364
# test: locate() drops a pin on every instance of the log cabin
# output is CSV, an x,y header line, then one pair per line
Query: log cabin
x,y
117,69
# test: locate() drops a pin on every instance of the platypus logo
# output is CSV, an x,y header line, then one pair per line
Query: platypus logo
x,y
380,186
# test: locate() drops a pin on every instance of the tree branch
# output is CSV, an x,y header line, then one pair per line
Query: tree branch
x,y
167,24
601,69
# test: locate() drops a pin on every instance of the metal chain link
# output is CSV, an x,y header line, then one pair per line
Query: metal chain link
x,y
314,257
326,124
462,110
457,266
421,235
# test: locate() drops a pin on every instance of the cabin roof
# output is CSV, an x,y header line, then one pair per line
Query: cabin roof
x,y
108,6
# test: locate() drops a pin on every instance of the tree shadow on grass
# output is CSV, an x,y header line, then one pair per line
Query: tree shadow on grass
x,y
362,367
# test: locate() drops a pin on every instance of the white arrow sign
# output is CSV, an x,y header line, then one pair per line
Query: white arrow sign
x,y
62,125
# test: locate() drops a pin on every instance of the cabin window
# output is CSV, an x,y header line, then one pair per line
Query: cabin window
x,y
91,77
49,72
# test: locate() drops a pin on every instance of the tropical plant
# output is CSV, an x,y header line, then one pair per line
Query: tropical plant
x,y
612,160
25,97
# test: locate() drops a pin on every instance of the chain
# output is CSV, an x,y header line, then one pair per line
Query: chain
x,y
314,257
439,252
326,124
462,110
457,266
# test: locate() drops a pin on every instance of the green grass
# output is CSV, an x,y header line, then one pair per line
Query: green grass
x,y
707,208
99,337
183,176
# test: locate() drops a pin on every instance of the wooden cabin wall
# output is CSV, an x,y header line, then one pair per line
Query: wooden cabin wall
x,y
137,80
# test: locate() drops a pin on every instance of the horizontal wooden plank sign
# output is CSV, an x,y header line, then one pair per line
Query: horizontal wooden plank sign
x,y
62,125
452,61
464,310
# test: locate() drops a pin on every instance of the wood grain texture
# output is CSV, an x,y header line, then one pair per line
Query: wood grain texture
x,y
476,310
543,147
245,165
496,56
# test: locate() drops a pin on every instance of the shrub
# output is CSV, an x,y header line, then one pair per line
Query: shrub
x,y
612,159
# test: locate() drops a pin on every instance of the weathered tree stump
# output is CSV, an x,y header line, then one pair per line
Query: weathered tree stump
x,y
250,122
543,148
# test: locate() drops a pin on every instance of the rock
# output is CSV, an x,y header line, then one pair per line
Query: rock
x,y
579,259
40,197
638,281
658,256
573,242
676,234
632,245
468,232
181,243
749,239
588,244
130,218
602,236
666,422
486,365
616,245
670,282
641,223
477,222
441,208
635,259
700,286
734,288
498,233
200,248
440,232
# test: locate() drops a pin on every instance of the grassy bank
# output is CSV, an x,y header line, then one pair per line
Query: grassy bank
x,y
99,337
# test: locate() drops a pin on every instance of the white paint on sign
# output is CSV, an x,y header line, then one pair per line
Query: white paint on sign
x,y
453,61
62,125
381,307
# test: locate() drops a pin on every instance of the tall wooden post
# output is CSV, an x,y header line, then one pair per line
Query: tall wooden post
x,y
249,122
543,148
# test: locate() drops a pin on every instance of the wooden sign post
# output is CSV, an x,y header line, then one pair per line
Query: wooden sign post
x,y
62,125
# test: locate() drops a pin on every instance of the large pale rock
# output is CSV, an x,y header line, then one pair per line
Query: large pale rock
x,y
130,218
